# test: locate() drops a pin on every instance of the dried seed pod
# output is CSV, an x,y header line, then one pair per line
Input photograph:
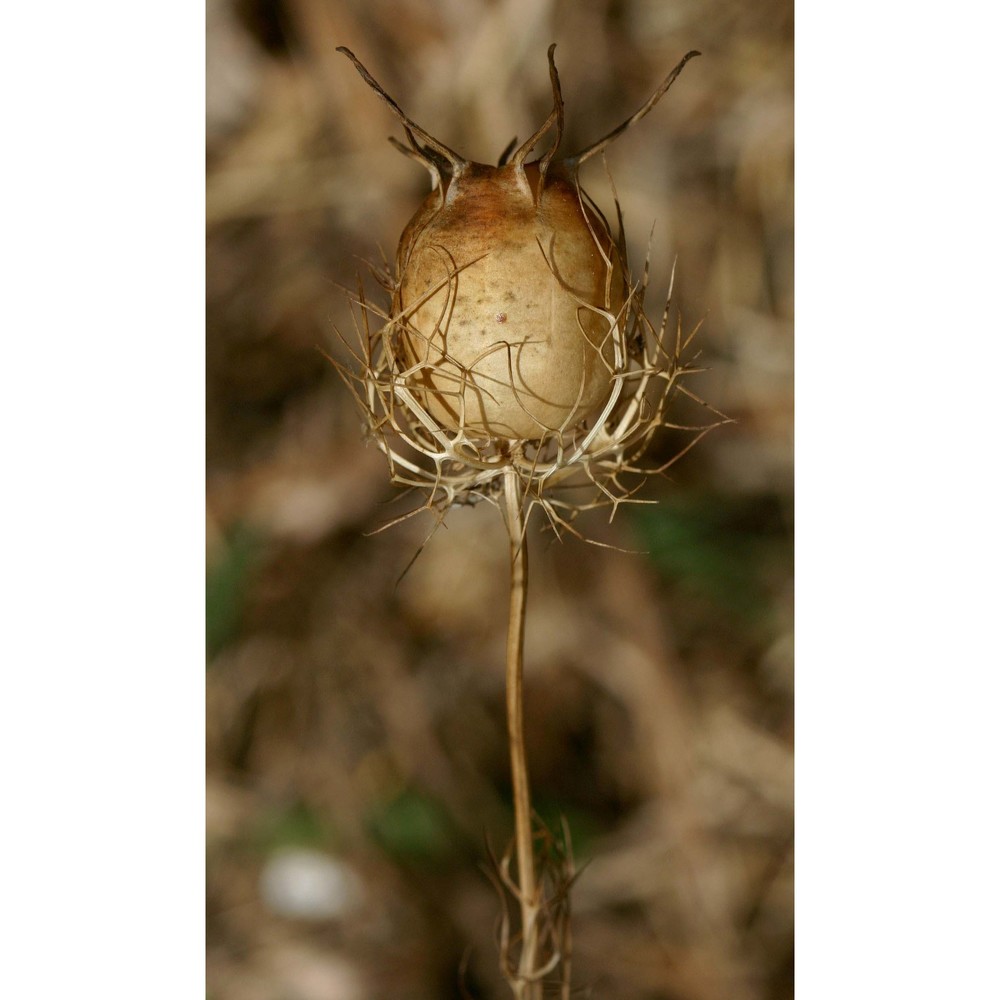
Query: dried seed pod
x,y
515,365
511,291
516,352
509,305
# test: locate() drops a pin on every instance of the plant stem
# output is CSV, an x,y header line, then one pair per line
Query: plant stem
x,y
524,987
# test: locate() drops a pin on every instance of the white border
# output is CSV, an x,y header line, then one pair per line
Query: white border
x,y
102,726
896,360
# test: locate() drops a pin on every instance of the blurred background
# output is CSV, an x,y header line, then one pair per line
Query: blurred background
x,y
357,762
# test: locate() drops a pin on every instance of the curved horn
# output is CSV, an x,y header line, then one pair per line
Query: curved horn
x,y
578,158
558,108
412,127
555,118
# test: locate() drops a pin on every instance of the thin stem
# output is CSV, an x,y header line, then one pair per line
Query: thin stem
x,y
524,987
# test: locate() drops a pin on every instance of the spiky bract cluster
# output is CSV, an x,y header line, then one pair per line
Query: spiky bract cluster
x,y
452,466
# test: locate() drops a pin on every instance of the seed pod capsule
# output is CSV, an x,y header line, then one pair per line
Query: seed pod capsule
x,y
498,247
508,318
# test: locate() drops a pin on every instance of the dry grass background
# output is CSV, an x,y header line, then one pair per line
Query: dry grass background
x,y
363,720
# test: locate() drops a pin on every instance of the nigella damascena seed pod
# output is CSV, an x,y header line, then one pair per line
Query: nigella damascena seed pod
x,y
511,291
509,308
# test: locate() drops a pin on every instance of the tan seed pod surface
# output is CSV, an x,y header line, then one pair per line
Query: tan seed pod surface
x,y
511,293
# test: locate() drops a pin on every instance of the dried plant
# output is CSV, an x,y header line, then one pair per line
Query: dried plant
x,y
515,364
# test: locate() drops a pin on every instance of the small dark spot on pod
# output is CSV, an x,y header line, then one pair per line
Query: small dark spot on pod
x,y
501,317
